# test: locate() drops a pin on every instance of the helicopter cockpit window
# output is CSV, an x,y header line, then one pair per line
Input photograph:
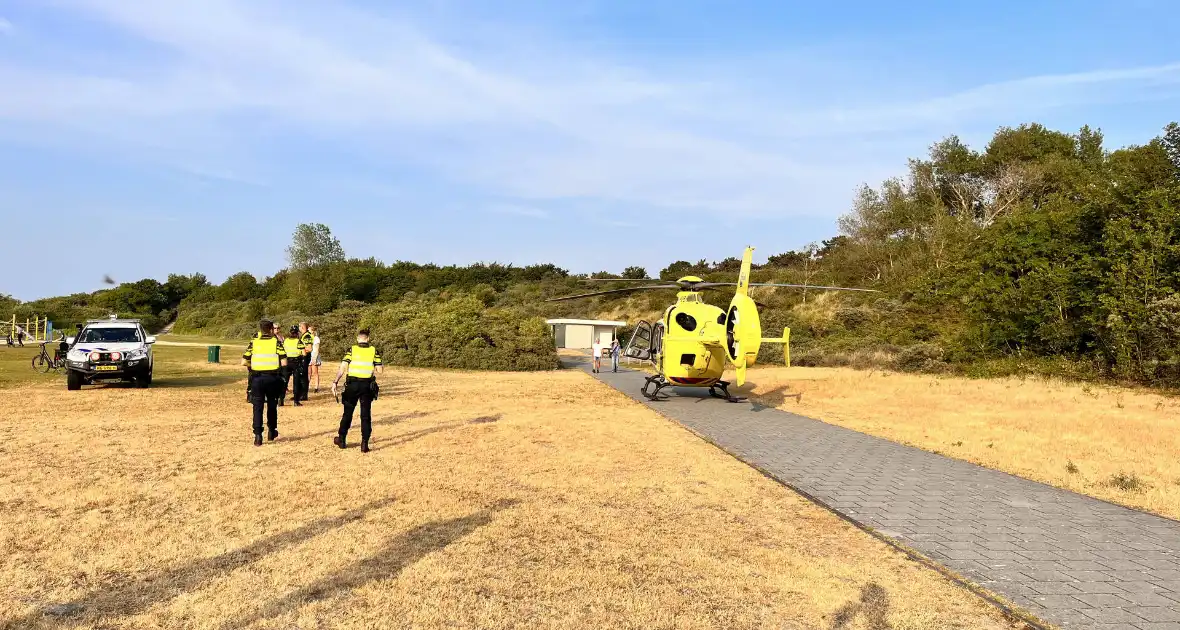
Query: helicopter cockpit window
x,y
686,321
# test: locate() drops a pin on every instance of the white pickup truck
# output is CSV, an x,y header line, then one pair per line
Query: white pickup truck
x,y
110,350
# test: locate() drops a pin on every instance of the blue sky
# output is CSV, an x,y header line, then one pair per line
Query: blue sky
x,y
194,135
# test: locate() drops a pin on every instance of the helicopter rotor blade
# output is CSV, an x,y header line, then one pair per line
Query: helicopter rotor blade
x,y
776,284
626,290
756,302
619,279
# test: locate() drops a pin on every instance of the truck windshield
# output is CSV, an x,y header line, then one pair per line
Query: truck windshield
x,y
110,335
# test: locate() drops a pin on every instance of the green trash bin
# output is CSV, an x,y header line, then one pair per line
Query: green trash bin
x,y
215,354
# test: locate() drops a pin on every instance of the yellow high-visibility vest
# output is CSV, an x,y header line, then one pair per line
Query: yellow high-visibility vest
x,y
291,346
264,354
361,365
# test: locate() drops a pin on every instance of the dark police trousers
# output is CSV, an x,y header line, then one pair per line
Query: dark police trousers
x,y
304,382
297,378
266,388
357,390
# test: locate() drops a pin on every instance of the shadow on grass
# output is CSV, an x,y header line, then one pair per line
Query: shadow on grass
x,y
873,608
148,590
774,398
414,435
387,420
180,381
197,380
410,437
398,554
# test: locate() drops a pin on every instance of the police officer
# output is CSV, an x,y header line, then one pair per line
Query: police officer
x,y
250,380
294,349
265,357
307,339
362,362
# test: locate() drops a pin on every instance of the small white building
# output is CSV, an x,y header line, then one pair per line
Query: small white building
x,y
581,333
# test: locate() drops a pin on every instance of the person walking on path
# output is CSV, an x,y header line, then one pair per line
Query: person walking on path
x,y
362,363
614,355
596,349
293,346
316,359
265,358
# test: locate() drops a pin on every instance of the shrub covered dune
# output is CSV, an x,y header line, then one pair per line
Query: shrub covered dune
x,y
1043,251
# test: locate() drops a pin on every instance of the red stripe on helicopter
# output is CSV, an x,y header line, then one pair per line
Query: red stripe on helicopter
x,y
680,380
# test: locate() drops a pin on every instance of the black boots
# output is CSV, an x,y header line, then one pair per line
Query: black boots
x,y
272,434
257,439
340,442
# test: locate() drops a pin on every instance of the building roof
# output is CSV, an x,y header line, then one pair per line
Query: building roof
x,y
590,322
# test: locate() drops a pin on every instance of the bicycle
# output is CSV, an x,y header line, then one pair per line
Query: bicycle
x,y
43,362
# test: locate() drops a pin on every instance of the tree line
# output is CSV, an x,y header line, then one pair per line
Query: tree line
x,y
1042,251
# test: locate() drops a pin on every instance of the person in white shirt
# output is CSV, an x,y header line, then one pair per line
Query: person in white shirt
x,y
597,347
316,359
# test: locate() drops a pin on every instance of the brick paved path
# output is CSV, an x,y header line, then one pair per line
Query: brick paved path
x,y
1068,559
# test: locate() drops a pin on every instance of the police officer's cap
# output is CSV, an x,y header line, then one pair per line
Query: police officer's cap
x,y
265,324
363,331
294,331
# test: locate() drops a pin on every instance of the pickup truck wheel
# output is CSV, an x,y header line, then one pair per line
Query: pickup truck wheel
x,y
73,380
143,380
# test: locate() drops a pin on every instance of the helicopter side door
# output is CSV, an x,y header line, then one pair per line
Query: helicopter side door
x,y
639,346
657,345
657,339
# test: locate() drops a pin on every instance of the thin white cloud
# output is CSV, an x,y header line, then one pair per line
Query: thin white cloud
x,y
5,26
537,125
520,211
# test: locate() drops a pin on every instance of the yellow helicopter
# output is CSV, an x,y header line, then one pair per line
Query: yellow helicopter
x,y
691,344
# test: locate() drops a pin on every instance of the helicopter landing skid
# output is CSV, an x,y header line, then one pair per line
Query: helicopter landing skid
x,y
657,381
724,392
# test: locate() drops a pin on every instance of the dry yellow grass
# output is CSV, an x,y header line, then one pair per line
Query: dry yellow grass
x,y
489,501
1093,440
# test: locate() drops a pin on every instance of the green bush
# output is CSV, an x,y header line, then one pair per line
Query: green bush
x,y
854,317
234,319
459,333
922,357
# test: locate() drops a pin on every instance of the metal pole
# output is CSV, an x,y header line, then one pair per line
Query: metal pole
x,y
787,346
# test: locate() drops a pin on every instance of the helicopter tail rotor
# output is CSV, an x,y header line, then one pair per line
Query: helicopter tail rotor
x,y
743,330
